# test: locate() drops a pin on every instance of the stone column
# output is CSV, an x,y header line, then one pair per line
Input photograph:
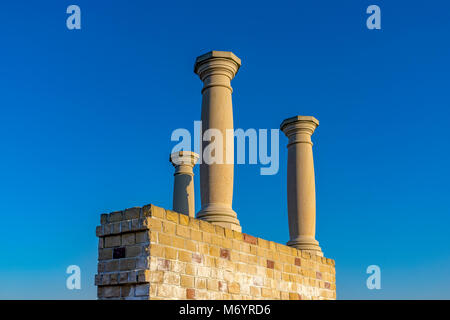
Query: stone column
x,y
183,187
301,194
216,69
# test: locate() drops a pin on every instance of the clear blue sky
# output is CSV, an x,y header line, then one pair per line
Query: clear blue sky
x,y
86,118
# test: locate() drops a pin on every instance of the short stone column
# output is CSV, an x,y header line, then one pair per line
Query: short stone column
x,y
216,69
301,194
183,187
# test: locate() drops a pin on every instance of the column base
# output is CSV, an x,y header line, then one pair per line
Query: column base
x,y
306,244
220,215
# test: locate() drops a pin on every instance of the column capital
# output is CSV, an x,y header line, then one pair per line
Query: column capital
x,y
183,158
299,129
299,123
217,63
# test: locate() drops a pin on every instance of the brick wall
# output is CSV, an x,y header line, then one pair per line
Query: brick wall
x,y
152,253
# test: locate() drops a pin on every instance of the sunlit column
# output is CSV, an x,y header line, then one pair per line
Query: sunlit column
x,y
216,69
301,193
183,187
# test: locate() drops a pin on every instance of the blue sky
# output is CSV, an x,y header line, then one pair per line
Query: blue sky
x,y
86,118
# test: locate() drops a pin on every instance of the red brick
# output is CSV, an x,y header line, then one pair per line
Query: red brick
x,y
163,264
190,293
318,275
298,262
249,239
225,253
222,286
196,258
270,264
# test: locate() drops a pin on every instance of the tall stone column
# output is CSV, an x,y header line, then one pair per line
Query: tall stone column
x,y
183,187
216,69
301,193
